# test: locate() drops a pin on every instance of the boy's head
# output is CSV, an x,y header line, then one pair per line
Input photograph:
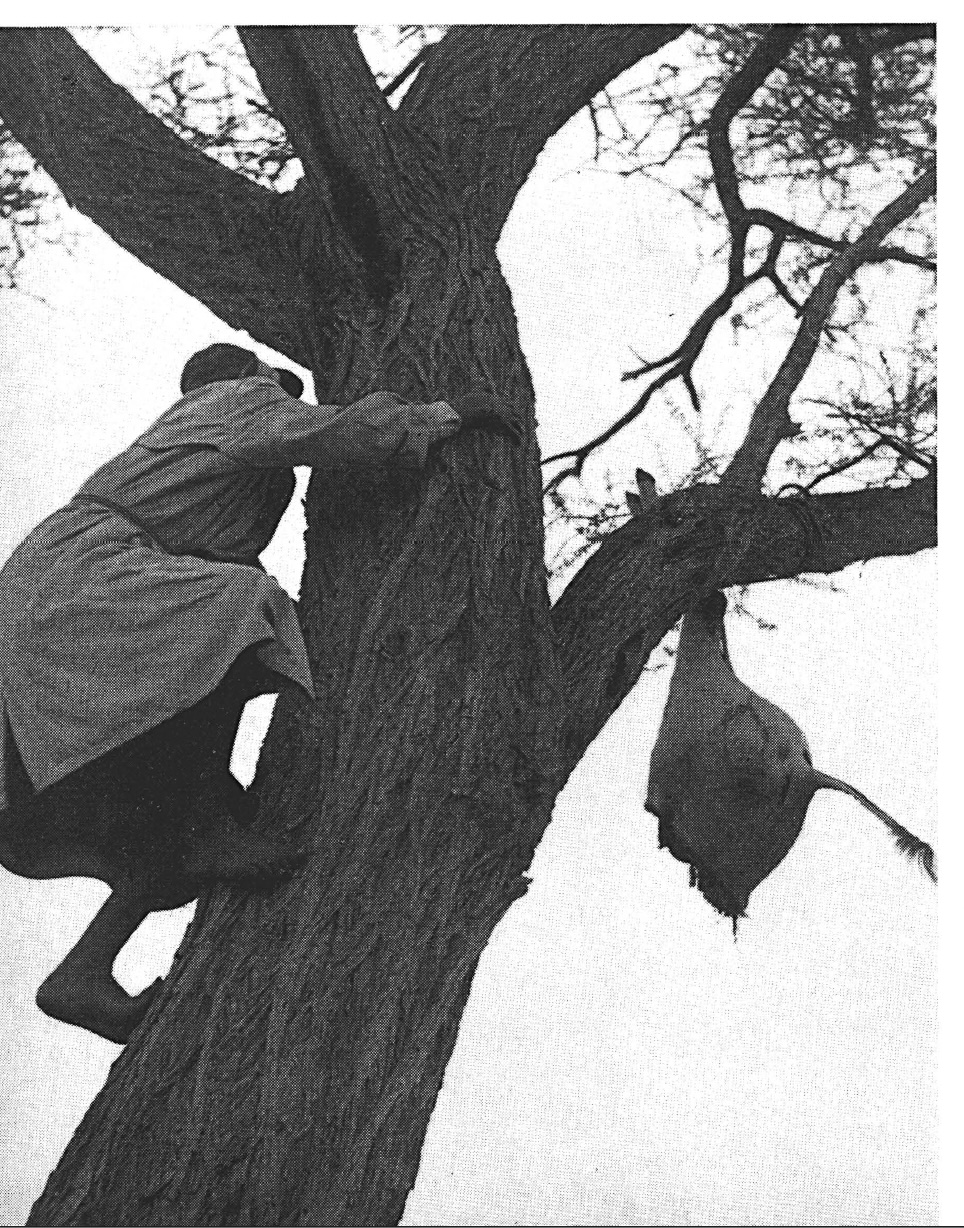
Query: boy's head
x,y
222,361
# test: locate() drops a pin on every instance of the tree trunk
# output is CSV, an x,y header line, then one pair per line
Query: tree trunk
x,y
305,1033
287,1073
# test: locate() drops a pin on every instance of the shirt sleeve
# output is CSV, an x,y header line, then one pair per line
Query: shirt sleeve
x,y
270,429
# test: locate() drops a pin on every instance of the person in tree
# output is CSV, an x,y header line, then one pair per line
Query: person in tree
x,y
135,624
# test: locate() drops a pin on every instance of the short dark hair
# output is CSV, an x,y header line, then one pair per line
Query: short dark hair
x,y
217,362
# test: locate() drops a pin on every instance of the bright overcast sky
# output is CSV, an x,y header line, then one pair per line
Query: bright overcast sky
x,y
621,1060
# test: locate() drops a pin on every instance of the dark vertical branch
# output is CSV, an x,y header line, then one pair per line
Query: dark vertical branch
x,y
321,89
771,420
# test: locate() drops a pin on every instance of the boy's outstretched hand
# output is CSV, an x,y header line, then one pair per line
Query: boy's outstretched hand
x,y
482,411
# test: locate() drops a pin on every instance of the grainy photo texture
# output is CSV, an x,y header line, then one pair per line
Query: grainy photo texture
x,y
467,624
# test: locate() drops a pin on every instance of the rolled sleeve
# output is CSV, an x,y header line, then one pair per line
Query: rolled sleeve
x,y
272,429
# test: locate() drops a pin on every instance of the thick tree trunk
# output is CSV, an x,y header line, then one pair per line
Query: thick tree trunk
x,y
305,1033
288,1071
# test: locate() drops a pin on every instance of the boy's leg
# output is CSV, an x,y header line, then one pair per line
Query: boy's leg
x,y
215,808
220,849
82,991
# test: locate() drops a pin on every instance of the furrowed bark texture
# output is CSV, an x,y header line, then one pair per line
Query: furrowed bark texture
x,y
287,1073
645,576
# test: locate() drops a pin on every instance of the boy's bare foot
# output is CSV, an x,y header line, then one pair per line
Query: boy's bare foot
x,y
94,1001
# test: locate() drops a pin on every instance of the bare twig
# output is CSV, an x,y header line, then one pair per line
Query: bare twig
x,y
765,57
771,421
580,455
763,60
769,270
596,130
907,450
791,230
850,463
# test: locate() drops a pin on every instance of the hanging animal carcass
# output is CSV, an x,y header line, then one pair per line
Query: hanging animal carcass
x,y
731,777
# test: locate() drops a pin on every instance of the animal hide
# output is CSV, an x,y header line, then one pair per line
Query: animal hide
x,y
731,775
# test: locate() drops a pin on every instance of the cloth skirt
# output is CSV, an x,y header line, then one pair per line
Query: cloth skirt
x,y
131,807
103,636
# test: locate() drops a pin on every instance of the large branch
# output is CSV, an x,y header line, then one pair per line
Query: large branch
x,y
771,420
491,96
217,236
645,575
885,38
320,88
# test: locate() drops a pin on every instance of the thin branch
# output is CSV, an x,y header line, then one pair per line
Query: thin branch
x,y
788,229
691,389
580,455
771,420
596,130
765,58
904,450
834,470
681,362
900,446
742,86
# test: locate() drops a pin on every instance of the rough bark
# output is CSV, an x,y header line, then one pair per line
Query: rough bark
x,y
645,575
318,85
222,239
489,97
288,1071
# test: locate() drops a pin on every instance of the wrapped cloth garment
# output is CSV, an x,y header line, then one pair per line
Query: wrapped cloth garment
x,y
108,628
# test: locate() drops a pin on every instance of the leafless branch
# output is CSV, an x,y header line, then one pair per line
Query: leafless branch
x,y
834,470
907,451
644,575
215,234
791,230
741,87
481,78
771,420
764,59
680,362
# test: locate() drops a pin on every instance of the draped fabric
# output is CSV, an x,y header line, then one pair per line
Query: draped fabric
x,y
104,634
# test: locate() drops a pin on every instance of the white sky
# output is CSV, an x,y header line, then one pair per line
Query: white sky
x,y
621,1061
